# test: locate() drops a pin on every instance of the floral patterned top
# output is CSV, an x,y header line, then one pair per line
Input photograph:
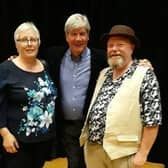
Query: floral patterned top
x,y
27,103
150,102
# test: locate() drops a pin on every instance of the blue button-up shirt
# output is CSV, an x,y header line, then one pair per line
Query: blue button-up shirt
x,y
75,77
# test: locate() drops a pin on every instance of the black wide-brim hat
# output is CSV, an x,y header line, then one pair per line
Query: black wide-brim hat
x,y
121,30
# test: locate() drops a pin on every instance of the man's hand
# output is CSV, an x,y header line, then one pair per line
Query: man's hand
x,y
146,63
12,57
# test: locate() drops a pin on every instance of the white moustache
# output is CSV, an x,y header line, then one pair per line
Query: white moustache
x,y
115,54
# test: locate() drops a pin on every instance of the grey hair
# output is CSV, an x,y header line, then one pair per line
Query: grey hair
x,y
26,26
75,21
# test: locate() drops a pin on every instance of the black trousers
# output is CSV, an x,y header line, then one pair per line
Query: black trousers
x,y
32,155
2,162
71,131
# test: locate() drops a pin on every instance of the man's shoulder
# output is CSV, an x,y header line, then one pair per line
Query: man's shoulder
x,y
104,70
54,53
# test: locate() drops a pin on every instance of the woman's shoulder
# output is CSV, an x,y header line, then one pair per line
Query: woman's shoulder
x,y
5,68
5,64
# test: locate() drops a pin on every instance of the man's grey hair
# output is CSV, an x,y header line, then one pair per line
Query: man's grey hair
x,y
75,21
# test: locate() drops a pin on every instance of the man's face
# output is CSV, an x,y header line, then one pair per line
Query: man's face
x,y
119,51
77,40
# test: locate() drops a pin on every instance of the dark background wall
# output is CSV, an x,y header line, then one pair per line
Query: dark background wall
x,y
149,22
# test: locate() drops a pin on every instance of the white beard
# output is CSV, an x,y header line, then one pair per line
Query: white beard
x,y
116,64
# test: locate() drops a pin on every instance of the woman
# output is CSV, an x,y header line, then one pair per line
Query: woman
x,y
27,103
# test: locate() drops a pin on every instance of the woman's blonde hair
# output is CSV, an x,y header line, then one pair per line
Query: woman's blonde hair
x,y
26,26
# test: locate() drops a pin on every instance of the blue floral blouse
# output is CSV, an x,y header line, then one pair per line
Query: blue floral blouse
x,y
27,103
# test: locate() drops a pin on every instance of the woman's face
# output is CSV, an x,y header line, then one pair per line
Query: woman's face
x,y
28,44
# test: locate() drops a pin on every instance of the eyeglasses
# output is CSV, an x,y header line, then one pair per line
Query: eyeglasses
x,y
27,41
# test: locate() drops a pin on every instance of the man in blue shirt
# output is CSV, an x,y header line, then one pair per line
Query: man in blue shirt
x,y
74,70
